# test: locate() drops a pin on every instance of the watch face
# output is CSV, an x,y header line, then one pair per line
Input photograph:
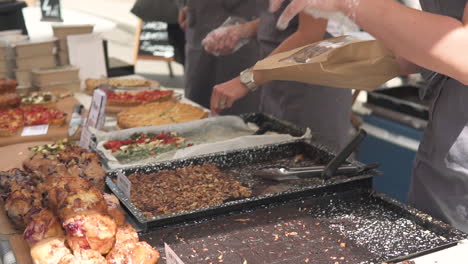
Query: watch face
x,y
246,76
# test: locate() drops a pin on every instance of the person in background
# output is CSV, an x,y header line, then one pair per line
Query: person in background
x,y
204,70
434,39
326,111
165,11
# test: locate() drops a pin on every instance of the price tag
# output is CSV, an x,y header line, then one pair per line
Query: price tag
x,y
124,184
35,130
96,117
171,256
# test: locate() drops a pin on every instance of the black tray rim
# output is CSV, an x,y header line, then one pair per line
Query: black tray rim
x,y
138,215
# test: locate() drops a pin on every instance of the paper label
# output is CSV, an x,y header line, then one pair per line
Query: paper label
x,y
124,184
171,256
96,117
35,130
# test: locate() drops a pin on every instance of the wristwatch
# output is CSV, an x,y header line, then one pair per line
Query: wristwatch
x,y
247,79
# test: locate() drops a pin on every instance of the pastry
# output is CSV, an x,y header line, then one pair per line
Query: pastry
x,y
125,234
43,225
114,209
46,100
7,85
83,256
141,145
9,100
49,251
90,230
159,113
140,252
75,201
92,84
134,98
11,120
20,202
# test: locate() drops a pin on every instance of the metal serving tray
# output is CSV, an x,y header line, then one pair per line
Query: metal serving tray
x,y
374,227
242,162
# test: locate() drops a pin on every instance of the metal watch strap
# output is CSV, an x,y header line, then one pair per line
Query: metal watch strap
x,y
250,83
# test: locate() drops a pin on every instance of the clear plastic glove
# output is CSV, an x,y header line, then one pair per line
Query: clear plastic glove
x,y
329,9
228,38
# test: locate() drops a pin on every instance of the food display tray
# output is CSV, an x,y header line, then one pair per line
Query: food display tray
x,y
367,225
241,159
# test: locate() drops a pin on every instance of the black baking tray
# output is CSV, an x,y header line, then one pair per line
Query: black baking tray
x,y
374,227
404,99
242,162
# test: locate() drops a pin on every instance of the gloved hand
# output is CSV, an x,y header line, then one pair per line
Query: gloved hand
x,y
317,8
224,40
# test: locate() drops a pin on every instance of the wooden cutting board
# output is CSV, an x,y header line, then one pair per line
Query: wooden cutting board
x,y
54,133
14,155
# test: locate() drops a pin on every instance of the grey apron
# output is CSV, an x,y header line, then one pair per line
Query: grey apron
x,y
440,175
202,70
326,111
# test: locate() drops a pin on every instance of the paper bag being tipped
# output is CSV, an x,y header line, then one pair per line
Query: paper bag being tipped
x,y
342,62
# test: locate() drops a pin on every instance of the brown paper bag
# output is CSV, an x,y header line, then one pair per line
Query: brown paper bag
x,y
342,62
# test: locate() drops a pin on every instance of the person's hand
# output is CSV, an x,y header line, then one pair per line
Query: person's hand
x,y
224,95
223,41
297,6
182,19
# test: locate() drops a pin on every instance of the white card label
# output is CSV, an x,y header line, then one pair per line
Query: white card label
x,y
171,256
35,130
124,184
96,117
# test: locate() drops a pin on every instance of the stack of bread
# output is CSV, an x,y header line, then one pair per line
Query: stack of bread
x,y
57,79
33,55
58,199
61,32
8,96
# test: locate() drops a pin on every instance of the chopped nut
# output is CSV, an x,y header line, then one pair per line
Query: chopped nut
x,y
342,244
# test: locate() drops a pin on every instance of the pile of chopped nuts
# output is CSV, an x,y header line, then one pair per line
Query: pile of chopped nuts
x,y
189,188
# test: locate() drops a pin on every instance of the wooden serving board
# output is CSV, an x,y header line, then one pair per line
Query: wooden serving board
x,y
54,133
14,155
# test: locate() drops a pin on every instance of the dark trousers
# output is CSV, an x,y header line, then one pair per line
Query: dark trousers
x,y
177,40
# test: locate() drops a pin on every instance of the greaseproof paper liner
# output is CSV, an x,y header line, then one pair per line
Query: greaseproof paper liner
x,y
208,135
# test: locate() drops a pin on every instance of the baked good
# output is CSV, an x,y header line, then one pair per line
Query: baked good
x,y
9,100
159,113
134,98
49,251
11,120
12,180
20,202
7,85
90,230
141,145
140,252
43,225
75,201
46,100
114,209
189,188
92,84
83,256
125,234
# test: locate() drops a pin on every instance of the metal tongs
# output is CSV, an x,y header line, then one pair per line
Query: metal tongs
x,y
335,166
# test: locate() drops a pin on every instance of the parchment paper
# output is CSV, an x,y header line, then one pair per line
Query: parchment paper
x,y
209,135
